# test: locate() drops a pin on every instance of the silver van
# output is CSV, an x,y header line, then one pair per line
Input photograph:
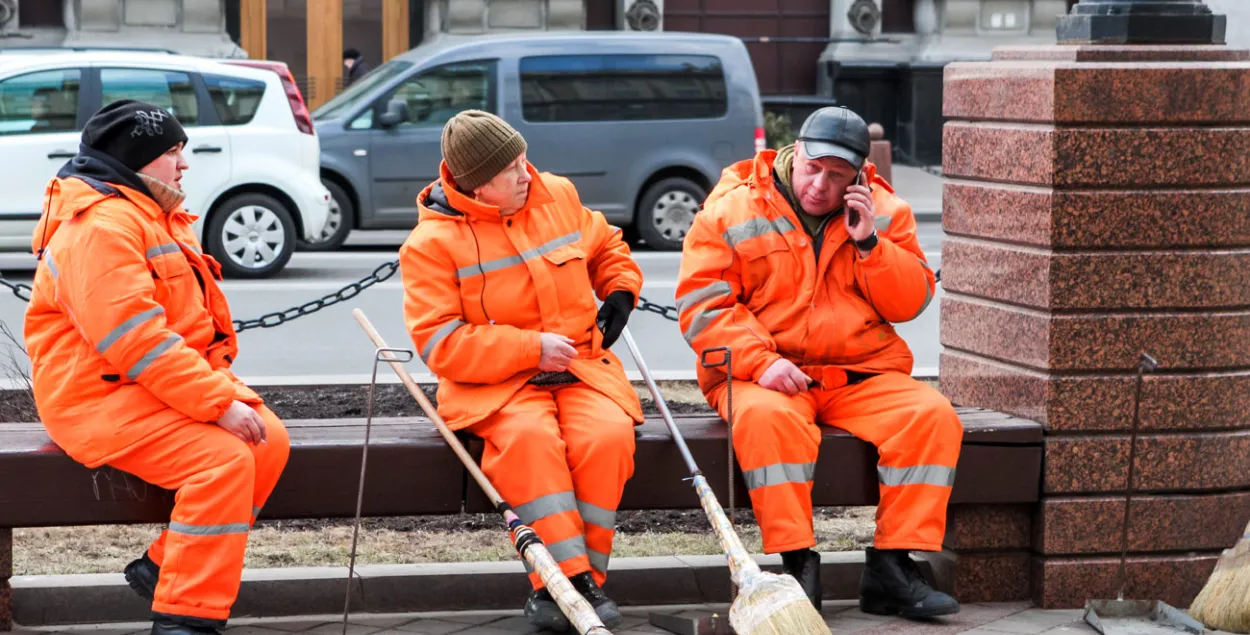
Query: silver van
x,y
642,123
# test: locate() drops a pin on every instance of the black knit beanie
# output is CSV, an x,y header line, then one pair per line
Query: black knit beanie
x,y
133,132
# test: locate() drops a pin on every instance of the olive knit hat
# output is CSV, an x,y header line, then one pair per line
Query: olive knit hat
x,y
477,146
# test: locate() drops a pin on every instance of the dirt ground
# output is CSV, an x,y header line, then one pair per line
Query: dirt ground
x,y
460,538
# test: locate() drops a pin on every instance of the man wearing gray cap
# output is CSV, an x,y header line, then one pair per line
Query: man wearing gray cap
x,y
800,262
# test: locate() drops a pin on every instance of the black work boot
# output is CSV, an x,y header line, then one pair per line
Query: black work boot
x,y
804,565
142,576
892,585
607,610
542,611
165,624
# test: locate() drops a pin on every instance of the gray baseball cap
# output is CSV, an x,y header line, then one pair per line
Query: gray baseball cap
x,y
836,131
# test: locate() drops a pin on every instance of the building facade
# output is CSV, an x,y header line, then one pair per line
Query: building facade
x,y
882,58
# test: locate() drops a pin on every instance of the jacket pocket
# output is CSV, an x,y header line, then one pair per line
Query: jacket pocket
x,y
561,256
170,266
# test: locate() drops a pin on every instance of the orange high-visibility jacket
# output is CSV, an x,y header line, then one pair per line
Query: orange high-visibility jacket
x,y
750,280
479,289
127,330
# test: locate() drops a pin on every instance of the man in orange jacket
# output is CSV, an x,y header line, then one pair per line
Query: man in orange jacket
x,y
131,343
800,265
500,278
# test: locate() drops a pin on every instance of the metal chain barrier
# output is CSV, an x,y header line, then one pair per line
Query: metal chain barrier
x,y
277,318
381,274
20,290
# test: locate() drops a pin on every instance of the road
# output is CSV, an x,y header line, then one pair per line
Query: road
x,y
328,346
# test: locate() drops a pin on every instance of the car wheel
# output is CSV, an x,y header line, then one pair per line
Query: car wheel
x,y
252,235
666,212
339,222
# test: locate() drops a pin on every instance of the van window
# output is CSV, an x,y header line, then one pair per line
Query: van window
x,y
171,90
622,87
42,102
436,95
350,97
235,100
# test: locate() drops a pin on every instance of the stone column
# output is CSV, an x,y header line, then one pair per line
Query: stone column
x,y
1097,205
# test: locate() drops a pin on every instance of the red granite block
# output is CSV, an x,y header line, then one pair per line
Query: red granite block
x,y
6,605
1071,526
1095,220
1038,154
991,577
1121,53
6,553
1180,341
1106,280
1184,462
1066,583
1172,402
982,527
1103,93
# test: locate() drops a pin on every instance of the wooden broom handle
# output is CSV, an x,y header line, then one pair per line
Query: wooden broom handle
x,y
430,410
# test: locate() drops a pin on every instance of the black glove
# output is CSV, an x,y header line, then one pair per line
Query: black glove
x,y
613,315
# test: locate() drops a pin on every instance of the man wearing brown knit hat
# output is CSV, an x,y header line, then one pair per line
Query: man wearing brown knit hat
x,y
500,278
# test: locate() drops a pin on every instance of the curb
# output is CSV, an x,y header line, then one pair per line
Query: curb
x,y
411,588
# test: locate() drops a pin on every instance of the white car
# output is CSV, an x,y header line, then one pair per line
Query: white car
x,y
254,177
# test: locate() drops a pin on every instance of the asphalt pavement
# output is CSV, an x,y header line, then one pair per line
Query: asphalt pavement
x,y
328,346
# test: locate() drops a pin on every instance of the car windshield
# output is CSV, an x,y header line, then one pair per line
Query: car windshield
x,y
348,98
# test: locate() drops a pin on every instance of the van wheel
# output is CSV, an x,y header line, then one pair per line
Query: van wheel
x,y
666,212
338,223
252,235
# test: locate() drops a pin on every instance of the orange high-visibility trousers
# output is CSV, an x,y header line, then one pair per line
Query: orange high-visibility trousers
x,y
913,426
560,456
222,483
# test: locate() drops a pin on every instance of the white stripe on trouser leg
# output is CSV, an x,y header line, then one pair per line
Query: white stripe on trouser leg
x,y
779,473
917,475
564,550
187,529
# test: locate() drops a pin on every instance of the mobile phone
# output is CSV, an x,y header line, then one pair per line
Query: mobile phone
x,y
852,213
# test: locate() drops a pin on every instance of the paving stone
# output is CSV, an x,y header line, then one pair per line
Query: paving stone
x,y
295,626
431,627
336,628
253,630
515,624
381,622
1033,621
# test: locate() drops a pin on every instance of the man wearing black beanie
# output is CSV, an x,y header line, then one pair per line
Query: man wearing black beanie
x,y
131,343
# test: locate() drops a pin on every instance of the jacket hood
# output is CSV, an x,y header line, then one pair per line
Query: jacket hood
x,y
442,200
757,174
88,178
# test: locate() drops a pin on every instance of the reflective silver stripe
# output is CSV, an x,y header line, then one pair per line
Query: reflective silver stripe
x,y
599,560
882,223
161,250
126,327
545,506
718,289
442,332
208,530
568,549
928,297
597,515
151,355
701,321
504,263
917,475
779,473
755,228
52,265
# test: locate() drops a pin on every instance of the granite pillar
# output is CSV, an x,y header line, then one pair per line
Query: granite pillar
x,y
1097,206
6,572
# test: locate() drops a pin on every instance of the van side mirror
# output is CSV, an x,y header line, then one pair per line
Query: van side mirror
x,y
396,113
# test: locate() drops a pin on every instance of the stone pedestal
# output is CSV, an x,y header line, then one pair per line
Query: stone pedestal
x,y
1097,207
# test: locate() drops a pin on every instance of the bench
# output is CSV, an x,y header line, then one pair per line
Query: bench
x,y
412,472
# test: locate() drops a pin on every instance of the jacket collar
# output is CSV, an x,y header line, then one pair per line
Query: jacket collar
x,y
443,199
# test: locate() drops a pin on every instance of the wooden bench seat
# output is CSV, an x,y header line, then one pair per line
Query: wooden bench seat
x,y
412,472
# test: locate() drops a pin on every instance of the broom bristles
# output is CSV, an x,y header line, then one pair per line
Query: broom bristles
x,y
771,604
1224,603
